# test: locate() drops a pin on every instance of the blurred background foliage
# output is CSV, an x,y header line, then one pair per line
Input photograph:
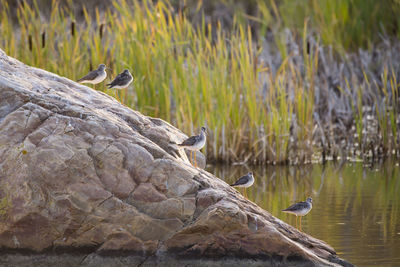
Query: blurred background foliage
x,y
284,81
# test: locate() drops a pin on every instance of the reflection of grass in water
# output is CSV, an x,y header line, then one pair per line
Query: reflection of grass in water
x,y
388,193
275,187
354,206
375,192
363,216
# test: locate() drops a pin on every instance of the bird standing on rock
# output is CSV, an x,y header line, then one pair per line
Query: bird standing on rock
x,y
244,181
300,209
195,143
95,76
122,81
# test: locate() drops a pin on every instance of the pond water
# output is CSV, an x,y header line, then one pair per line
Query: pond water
x,y
356,208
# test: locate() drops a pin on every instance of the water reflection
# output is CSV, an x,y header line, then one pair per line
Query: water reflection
x,y
355,208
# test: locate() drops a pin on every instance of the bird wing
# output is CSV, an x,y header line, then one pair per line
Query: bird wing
x,y
242,180
190,141
297,206
119,80
90,76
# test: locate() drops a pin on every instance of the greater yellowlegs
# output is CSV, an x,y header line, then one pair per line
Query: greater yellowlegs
x,y
300,209
121,81
95,76
245,181
195,143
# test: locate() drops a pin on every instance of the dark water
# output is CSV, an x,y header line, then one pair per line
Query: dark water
x,y
356,208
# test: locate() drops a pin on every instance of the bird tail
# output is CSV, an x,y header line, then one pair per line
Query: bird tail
x,y
174,144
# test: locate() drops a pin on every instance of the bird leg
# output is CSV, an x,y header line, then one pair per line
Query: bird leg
x,y
195,163
116,95
296,223
126,94
300,224
245,192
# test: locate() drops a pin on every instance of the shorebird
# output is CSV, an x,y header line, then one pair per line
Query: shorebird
x,y
121,81
194,143
95,76
300,209
245,181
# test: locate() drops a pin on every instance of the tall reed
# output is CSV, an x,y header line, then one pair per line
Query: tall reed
x,y
192,76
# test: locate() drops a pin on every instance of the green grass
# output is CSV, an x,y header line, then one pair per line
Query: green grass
x,y
194,76
345,24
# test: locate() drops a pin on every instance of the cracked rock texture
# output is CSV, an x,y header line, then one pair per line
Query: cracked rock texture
x,y
79,171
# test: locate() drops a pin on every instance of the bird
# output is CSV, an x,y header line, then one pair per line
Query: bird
x,y
95,76
194,143
300,209
244,181
121,81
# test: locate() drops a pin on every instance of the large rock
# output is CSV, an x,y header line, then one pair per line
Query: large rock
x,y
81,172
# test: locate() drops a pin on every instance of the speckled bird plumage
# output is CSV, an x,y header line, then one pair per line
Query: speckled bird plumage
x,y
195,142
244,181
300,208
95,76
121,81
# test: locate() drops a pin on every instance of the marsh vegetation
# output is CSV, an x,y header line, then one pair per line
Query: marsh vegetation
x,y
273,81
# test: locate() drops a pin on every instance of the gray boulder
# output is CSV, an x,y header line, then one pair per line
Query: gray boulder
x,y
81,173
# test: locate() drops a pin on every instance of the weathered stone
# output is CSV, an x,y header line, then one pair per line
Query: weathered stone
x,y
207,198
126,259
189,206
78,170
109,161
123,241
147,193
173,179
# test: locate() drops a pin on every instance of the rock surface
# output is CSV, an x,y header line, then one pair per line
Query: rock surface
x,y
80,172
